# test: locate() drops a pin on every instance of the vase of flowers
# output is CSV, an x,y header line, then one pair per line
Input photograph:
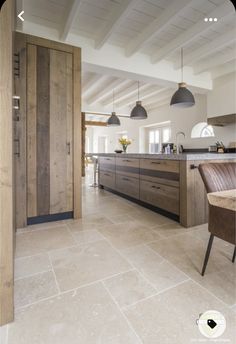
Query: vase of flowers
x,y
125,142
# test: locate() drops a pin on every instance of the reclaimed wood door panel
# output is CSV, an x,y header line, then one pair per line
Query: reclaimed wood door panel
x,y
60,132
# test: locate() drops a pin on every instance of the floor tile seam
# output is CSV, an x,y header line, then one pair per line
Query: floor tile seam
x,y
207,290
87,230
32,230
122,314
54,274
72,290
34,274
157,294
133,266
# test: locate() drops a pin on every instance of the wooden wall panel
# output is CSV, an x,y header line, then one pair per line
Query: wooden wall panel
x,y
20,131
77,165
31,131
6,163
43,131
58,131
69,126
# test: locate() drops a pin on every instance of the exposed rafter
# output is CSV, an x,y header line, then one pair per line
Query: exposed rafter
x,y
215,61
70,18
221,12
98,96
114,21
132,89
92,83
159,24
227,68
209,48
154,100
158,105
151,91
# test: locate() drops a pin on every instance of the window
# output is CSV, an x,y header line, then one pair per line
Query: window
x,y
156,137
202,129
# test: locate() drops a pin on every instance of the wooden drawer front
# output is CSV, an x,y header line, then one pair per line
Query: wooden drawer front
x,y
127,185
107,164
160,171
107,179
128,167
161,196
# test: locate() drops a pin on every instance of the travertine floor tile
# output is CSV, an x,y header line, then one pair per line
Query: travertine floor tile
x,y
128,234
32,265
85,316
34,288
129,287
159,272
87,236
84,264
35,242
3,334
170,317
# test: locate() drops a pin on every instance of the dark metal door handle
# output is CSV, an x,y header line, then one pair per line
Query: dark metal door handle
x,y
68,148
192,167
17,151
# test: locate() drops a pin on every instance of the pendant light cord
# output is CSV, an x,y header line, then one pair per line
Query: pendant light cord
x,y
182,64
113,100
138,90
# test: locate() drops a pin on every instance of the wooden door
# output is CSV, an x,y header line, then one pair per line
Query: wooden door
x,y
6,163
49,132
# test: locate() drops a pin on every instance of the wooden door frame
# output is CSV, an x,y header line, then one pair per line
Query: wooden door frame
x,y
6,164
76,53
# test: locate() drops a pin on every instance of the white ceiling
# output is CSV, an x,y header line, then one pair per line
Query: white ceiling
x,y
128,40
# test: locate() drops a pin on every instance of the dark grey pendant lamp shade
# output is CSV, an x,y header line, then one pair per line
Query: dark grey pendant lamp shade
x,y
114,120
138,111
182,98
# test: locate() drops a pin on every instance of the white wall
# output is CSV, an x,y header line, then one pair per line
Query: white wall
x,y
222,100
181,120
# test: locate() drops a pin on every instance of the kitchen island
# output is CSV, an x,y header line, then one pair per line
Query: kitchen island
x,y
166,183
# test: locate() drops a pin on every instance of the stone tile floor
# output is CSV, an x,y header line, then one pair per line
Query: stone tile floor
x,y
121,274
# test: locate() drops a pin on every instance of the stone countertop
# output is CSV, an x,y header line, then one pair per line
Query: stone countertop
x,y
183,156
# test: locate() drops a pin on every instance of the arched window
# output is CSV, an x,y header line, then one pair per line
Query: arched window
x,y
202,129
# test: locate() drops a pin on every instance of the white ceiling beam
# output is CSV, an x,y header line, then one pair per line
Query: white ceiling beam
x,y
92,83
156,27
98,96
227,68
165,96
221,12
126,92
71,15
165,102
114,21
210,48
218,60
152,90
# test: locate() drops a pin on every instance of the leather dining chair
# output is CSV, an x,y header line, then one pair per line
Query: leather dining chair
x,y
221,221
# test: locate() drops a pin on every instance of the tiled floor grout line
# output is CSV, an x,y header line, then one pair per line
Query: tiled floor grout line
x,y
71,290
54,274
122,313
156,294
34,274
190,278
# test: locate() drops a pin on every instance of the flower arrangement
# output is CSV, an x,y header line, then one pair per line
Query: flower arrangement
x,y
125,142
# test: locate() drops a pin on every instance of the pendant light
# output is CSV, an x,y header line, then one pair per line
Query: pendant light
x,y
138,111
113,120
182,98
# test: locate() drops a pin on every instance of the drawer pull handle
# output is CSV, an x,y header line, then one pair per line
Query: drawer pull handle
x,y
155,187
192,167
106,174
156,162
126,160
107,159
126,179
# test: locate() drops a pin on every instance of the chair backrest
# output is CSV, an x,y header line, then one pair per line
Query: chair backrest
x,y
218,176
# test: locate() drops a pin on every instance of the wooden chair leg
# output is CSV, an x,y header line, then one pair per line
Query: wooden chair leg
x,y
208,251
233,259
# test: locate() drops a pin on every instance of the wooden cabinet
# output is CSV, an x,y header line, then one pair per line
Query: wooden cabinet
x,y
128,167
107,164
107,179
160,195
127,185
49,130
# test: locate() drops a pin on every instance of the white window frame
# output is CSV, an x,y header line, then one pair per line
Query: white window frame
x,y
160,129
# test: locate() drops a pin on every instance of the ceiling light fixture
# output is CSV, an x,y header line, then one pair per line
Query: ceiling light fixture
x,y
113,120
138,111
182,97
